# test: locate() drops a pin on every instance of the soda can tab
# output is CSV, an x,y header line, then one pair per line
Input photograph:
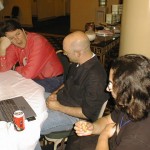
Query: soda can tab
x,y
19,120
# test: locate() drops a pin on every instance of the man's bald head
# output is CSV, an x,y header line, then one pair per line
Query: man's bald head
x,y
77,41
77,47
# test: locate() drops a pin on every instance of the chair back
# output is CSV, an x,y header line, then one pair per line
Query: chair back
x,y
102,109
65,62
15,12
62,136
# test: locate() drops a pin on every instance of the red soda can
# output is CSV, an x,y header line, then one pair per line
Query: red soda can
x,y
19,120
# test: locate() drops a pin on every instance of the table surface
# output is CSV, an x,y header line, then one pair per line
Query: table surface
x,y
12,84
104,44
102,41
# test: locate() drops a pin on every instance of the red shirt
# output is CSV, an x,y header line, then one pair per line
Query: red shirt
x,y
37,60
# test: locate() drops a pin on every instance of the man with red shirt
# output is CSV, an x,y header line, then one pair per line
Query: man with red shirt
x,y
36,56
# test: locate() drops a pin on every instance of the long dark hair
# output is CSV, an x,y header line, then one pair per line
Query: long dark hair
x,y
9,25
131,83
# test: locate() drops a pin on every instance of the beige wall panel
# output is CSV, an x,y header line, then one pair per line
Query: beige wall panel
x,y
67,7
135,29
60,7
46,9
34,7
50,8
25,15
81,12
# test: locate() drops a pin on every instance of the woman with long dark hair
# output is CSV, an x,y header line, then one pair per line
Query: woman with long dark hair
x,y
127,127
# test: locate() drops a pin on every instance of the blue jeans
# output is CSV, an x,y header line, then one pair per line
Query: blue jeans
x,y
38,147
57,121
50,84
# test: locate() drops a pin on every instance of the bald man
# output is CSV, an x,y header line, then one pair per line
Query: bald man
x,y
83,93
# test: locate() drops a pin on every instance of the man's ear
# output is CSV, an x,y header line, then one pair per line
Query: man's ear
x,y
77,53
24,32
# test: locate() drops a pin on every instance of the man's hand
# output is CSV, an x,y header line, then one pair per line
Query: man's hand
x,y
4,43
52,102
52,97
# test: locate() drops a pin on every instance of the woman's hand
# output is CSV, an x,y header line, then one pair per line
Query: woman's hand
x,y
83,128
109,130
106,133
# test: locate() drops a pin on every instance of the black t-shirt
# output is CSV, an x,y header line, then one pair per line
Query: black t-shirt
x,y
85,87
132,135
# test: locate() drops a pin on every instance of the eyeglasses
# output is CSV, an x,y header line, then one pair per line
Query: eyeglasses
x,y
109,86
64,52
68,53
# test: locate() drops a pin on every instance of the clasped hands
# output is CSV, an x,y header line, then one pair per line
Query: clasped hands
x,y
84,128
52,102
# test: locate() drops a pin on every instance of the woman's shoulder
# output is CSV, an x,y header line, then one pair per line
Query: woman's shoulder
x,y
139,129
135,135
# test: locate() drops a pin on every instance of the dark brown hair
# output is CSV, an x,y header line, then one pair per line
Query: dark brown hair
x,y
131,83
9,25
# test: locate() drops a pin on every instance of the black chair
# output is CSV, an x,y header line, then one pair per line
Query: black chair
x,y
65,62
60,137
14,13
